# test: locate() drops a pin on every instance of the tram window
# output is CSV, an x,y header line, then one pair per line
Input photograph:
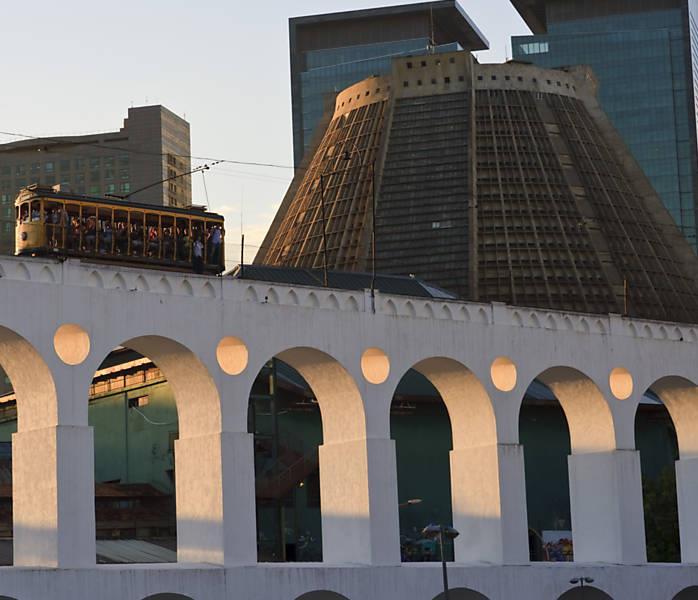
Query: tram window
x,y
89,228
183,241
167,237
52,218
36,211
72,232
105,230
120,232
137,234
24,212
152,223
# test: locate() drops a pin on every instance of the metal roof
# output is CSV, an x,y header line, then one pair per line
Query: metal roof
x,y
342,280
449,17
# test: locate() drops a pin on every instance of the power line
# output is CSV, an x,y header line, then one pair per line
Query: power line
x,y
72,142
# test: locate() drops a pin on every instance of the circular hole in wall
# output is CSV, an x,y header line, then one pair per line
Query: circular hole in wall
x,y
71,343
375,365
232,355
621,382
503,374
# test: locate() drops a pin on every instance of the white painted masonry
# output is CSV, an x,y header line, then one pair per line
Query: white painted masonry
x,y
481,358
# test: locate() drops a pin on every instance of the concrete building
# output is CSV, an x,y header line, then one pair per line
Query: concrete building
x,y
498,182
644,56
211,336
153,144
332,51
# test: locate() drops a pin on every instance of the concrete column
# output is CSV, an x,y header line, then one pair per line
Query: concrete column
x,y
358,498
606,503
488,493
53,497
216,499
687,497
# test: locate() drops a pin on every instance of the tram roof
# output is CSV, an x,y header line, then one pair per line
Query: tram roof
x,y
37,191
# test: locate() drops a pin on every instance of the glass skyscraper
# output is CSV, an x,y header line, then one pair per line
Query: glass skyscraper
x,y
643,55
330,52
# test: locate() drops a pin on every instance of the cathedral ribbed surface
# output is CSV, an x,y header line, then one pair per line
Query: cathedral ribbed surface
x,y
498,182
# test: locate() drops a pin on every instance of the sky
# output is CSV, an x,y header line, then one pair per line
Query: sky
x,y
76,66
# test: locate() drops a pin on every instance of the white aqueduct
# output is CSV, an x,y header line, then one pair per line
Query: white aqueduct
x,y
211,336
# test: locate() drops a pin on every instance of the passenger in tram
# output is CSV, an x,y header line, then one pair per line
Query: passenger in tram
x,y
215,240
153,241
167,243
24,213
198,256
90,234
121,238
105,239
183,243
36,214
136,240
52,233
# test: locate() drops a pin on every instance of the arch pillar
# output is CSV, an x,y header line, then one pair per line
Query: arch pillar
x,y
53,482
605,482
488,488
358,467
215,485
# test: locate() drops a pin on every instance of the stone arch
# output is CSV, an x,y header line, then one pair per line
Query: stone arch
x,y
534,320
118,282
165,286
195,391
168,596
186,288
585,593
409,308
516,319
680,396
292,298
428,311
142,284
588,415
689,593
337,394
600,327
207,291
461,594
251,294
22,272
46,275
390,307
32,381
312,300
321,595
351,304
483,317
271,296
95,280
465,314
467,402
332,302
446,312
583,326
551,323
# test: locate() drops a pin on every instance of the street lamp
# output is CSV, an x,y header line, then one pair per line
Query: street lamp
x,y
581,581
441,531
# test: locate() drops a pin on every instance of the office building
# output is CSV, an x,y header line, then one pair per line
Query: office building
x,y
332,51
497,182
152,145
643,54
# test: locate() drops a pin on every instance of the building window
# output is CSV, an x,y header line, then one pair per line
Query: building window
x,y
48,167
124,160
79,164
126,188
424,63
20,170
94,189
64,165
108,162
409,65
433,81
35,168
111,188
494,78
405,84
447,80
123,173
108,173
452,60
419,82
95,163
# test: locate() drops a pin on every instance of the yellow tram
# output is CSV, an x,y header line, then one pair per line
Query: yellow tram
x,y
53,222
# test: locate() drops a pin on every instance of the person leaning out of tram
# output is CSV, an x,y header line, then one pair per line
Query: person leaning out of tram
x,y
198,255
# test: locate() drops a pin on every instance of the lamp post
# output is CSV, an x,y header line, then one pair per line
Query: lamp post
x,y
441,531
581,581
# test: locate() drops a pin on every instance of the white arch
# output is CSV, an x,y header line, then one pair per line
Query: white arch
x,y
680,396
